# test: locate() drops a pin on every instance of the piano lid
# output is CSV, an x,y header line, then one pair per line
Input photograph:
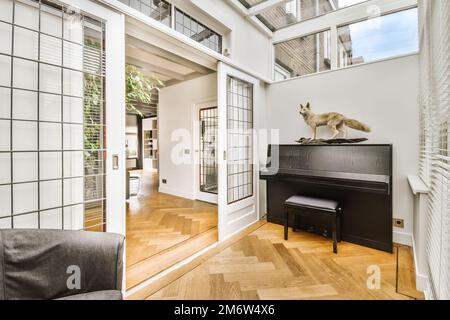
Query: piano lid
x,y
330,175
355,162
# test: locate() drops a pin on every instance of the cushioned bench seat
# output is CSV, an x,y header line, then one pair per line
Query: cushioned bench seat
x,y
303,205
313,203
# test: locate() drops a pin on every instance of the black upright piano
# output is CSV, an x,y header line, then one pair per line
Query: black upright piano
x,y
358,176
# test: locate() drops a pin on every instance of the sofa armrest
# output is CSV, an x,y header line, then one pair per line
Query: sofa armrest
x,y
50,264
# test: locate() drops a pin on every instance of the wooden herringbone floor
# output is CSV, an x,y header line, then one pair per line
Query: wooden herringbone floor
x,y
157,221
264,266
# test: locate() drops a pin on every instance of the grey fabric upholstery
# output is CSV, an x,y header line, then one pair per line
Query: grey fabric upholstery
x,y
34,263
99,295
313,203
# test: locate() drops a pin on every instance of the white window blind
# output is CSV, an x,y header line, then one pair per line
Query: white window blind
x,y
435,126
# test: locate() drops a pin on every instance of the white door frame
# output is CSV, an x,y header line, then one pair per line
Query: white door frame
x,y
235,217
115,114
199,195
115,107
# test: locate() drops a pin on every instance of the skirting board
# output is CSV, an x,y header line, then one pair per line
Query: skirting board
x,y
175,192
403,238
421,279
407,239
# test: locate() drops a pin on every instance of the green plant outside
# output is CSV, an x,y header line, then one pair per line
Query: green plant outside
x,y
139,88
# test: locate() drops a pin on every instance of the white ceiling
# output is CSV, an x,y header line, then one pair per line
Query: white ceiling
x,y
167,66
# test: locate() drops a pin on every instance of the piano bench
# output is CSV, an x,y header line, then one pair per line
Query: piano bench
x,y
302,205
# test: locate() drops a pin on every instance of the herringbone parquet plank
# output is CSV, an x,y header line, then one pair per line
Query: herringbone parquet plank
x,y
264,266
158,222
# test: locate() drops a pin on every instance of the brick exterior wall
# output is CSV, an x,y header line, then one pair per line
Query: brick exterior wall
x,y
307,54
304,55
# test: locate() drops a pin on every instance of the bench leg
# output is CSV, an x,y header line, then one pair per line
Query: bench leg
x,y
339,228
335,235
286,224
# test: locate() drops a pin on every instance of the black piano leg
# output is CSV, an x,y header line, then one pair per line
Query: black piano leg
x,y
286,224
335,234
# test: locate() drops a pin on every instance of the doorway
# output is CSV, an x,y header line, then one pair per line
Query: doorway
x,y
165,221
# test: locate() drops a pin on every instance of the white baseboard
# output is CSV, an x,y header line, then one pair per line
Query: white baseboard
x,y
421,279
421,282
403,238
175,192
427,293
407,239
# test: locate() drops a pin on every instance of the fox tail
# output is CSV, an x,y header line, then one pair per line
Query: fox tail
x,y
354,124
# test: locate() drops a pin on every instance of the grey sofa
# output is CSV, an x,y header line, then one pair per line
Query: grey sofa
x,y
50,264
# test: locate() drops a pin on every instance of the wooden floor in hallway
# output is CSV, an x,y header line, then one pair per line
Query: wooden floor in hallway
x,y
160,225
263,266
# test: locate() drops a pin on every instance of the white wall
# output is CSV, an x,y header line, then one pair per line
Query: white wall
x,y
176,116
249,46
382,94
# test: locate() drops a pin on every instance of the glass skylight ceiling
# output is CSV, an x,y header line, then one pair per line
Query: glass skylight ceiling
x,y
290,12
251,3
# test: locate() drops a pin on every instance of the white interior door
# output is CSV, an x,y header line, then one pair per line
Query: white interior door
x,y
238,100
61,118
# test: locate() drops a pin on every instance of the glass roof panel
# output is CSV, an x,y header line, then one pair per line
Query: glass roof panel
x,y
294,11
251,3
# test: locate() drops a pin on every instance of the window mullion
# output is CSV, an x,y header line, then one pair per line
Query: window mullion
x,y
334,47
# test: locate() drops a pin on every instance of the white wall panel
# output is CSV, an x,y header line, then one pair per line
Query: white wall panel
x,y
180,100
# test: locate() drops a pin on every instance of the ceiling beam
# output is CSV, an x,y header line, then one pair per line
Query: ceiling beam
x,y
157,60
152,68
160,76
263,6
188,77
243,11
239,7
173,42
166,54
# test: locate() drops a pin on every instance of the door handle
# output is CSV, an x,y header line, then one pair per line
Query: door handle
x,y
224,156
115,161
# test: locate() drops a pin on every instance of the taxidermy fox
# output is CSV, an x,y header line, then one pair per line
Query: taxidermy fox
x,y
335,121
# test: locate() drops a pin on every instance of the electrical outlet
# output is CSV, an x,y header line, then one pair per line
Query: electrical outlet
x,y
399,223
164,181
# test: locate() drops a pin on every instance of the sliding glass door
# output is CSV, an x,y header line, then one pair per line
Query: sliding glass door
x,y
53,124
